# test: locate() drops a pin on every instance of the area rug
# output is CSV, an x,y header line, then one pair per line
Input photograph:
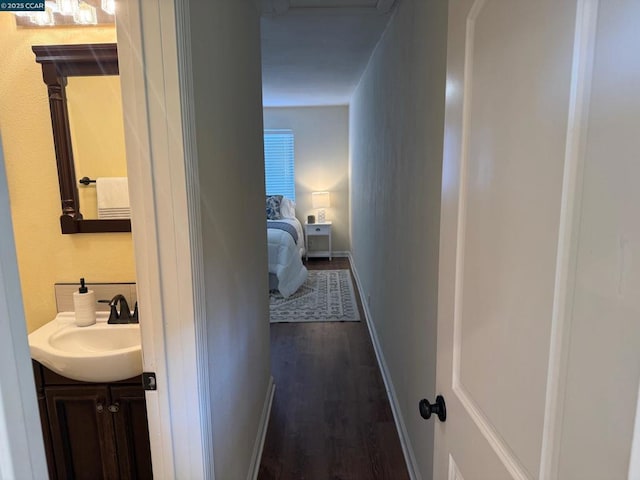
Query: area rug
x,y
326,296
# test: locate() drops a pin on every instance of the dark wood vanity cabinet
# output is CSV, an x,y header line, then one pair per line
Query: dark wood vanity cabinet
x,y
82,433
132,431
93,431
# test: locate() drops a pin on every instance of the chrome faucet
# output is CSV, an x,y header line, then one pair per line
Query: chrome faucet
x,y
123,314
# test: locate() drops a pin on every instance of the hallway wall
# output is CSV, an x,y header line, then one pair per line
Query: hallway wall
x,y
225,40
396,137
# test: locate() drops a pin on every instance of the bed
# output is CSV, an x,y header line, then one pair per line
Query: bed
x,y
286,247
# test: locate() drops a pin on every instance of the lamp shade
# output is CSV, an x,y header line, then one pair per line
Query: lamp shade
x,y
320,200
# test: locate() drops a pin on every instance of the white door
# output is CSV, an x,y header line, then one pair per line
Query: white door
x,y
539,303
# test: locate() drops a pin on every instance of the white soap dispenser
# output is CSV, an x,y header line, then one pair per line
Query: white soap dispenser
x,y
84,303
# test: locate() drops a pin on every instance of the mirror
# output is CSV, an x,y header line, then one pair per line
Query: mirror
x,y
97,134
82,79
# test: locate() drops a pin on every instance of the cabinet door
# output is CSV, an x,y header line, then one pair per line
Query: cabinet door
x,y
132,432
82,432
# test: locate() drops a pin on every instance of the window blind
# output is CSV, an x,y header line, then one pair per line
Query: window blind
x,y
278,163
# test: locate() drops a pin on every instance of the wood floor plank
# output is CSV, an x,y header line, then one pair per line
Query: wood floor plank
x,y
331,417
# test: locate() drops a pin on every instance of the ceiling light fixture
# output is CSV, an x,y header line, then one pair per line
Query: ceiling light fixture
x,y
42,19
53,5
109,6
57,13
67,7
85,15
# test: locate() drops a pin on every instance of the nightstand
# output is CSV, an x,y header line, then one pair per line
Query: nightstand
x,y
318,230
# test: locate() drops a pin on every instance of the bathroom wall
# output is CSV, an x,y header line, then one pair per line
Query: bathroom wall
x,y
321,142
45,256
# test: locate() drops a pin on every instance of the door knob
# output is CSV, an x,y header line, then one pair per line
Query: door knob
x,y
439,408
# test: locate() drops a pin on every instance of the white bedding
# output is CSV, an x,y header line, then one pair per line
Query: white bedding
x,y
285,257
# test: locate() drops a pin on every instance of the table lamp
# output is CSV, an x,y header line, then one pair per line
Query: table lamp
x,y
320,200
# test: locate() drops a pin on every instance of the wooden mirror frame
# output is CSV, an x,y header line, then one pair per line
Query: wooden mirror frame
x,y
59,62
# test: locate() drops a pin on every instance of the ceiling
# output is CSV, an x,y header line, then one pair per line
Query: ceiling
x,y
314,51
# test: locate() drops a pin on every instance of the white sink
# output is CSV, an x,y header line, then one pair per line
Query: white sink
x,y
97,353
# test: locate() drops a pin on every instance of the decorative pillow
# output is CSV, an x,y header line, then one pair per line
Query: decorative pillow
x,y
287,208
273,207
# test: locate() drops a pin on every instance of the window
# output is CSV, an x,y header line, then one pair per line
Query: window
x,y
278,163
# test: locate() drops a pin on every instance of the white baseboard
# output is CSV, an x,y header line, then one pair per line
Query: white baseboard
x,y
325,254
262,432
405,442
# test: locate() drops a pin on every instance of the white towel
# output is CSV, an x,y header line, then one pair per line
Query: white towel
x,y
113,197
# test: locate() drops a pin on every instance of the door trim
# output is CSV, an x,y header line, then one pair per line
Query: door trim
x,y
22,453
577,124
192,182
454,471
634,460
153,38
258,447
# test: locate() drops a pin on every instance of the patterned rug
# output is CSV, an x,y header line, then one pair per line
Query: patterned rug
x,y
326,296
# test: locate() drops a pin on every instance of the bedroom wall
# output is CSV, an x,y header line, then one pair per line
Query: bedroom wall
x,y
396,137
321,138
226,79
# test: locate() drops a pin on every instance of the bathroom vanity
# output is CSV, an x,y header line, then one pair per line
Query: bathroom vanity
x,y
93,430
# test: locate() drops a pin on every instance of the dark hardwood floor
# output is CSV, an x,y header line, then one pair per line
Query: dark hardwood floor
x,y
331,418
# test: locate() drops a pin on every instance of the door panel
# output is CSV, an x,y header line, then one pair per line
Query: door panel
x,y
603,367
510,195
537,329
454,472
